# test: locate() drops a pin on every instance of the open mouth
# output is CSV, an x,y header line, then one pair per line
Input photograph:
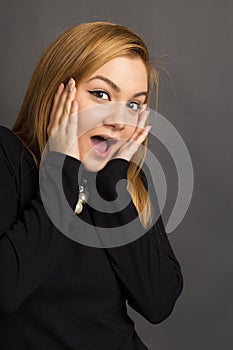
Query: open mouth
x,y
102,146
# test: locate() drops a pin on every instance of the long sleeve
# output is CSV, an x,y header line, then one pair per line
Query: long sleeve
x,y
28,241
147,269
75,292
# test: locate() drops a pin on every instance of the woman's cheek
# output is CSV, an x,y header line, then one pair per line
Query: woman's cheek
x,y
132,130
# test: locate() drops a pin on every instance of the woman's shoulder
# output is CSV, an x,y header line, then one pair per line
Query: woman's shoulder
x,y
9,139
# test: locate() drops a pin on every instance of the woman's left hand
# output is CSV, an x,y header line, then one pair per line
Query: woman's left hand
x,y
130,147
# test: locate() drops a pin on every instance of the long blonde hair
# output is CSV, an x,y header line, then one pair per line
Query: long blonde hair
x,y
78,53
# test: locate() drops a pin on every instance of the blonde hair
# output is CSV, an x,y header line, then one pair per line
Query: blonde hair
x,y
78,53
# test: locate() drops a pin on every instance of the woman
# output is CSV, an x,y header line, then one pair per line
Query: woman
x,y
55,292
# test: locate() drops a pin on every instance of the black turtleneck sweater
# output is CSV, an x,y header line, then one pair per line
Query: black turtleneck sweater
x,y
59,294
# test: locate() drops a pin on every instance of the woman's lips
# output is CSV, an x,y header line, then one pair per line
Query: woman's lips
x,y
99,151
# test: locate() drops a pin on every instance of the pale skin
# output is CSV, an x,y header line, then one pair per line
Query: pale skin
x,y
121,83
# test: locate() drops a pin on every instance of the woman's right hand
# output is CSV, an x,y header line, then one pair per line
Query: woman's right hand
x,y
63,125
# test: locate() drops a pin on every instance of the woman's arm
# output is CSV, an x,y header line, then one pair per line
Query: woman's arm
x,y
28,244
147,268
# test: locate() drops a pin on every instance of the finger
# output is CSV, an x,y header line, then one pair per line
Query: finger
x,y
66,99
68,105
74,108
142,118
144,134
140,138
140,126
54,105
73,118
57,97
61,98
72,128
59,101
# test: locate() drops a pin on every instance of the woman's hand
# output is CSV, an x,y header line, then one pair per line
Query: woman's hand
x,y
130,147
63,125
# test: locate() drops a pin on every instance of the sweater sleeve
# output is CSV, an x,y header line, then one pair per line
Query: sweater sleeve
x,y
28,242
147,269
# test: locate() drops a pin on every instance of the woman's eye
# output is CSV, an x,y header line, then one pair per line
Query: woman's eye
x,y
99,94
135,106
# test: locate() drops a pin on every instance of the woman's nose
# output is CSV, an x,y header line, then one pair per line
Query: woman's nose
x,y
116,116
115,125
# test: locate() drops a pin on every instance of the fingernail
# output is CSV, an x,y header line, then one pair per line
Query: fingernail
x,y
74,103
60,87
70,81
71,84
148,128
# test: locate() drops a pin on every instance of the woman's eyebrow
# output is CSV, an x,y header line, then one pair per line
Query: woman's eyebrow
x,y
114,86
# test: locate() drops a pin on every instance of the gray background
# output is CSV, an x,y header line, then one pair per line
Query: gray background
x,y
194,39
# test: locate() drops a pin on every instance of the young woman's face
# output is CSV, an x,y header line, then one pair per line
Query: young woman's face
x,y
109,102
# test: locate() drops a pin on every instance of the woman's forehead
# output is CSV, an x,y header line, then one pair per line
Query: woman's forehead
x,y
121,71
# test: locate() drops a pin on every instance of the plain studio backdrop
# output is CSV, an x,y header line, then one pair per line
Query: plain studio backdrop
x,y
194,40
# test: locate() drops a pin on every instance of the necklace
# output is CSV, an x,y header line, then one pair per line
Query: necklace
x,y
82,197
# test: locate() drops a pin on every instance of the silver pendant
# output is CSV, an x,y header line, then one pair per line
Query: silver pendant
x,y
82,197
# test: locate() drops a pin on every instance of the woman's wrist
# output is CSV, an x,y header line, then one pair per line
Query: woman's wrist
x,y
55,166
108,177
